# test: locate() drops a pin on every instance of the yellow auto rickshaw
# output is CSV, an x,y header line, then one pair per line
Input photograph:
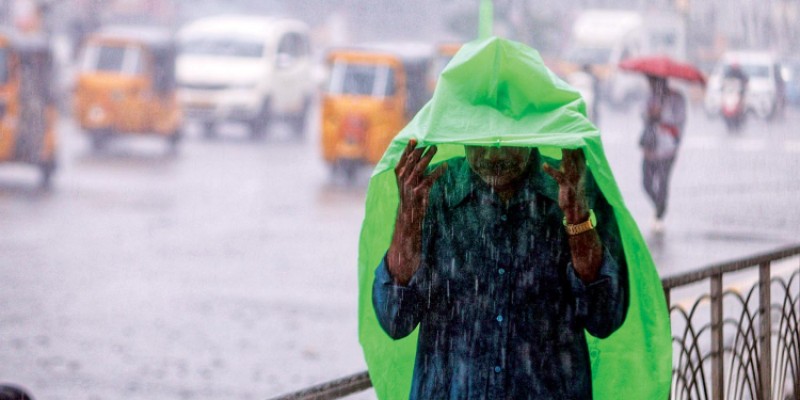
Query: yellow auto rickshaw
x,y
28,112
126,85
373,91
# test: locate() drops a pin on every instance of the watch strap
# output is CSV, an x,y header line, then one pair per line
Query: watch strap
x,y
585,226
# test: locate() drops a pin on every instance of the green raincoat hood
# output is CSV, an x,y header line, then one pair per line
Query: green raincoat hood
x,y
497,92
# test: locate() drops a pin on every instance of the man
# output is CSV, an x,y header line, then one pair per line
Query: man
x,y
665,117
503,268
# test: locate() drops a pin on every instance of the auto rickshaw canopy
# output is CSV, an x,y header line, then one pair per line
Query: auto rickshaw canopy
x,y
160,43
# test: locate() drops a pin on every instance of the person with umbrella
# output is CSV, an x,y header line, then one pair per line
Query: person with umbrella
x,y
664,120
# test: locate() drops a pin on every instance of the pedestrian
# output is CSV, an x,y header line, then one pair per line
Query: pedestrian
x,y
9,392
496,258
664,120
500,233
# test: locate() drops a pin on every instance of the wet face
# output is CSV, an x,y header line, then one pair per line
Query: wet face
x,y
499,167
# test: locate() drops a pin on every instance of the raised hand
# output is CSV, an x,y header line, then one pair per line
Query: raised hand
x,y
571,178
586,248
414,187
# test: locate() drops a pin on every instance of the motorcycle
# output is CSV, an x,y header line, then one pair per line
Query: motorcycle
x,y
733,105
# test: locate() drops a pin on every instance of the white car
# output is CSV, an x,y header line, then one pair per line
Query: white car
x,y
248,69
764,92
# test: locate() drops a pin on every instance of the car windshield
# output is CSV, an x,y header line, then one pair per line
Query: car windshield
x,y
118,59
751,70
756,70
375,80
230,47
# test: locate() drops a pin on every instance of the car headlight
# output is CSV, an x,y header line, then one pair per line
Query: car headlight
x,y
96,114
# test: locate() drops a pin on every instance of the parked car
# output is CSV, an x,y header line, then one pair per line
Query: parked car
x,y
247,69
765,94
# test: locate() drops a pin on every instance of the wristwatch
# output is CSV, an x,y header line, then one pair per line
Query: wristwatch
x,y
577,229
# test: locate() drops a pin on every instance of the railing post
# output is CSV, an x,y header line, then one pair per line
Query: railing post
x,y
765,358
716,338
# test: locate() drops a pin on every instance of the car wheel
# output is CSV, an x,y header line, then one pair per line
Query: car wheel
x,y
299,120
260,123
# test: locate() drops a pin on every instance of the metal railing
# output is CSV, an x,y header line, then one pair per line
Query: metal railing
x,y
759,366
738,344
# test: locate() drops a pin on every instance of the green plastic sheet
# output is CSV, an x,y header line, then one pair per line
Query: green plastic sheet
x,y
497,92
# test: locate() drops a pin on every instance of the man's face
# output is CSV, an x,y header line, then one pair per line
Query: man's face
x,y
499,167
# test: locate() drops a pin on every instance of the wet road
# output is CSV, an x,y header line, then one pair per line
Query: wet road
x,y
228,270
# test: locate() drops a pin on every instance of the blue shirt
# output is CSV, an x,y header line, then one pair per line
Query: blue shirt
x,y
500,309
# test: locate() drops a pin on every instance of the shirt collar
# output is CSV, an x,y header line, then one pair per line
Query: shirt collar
x,y
465,182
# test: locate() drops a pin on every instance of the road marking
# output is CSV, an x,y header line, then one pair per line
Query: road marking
x,y
792,146
702,142
749,145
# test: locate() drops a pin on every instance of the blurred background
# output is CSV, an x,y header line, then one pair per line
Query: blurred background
x,y
182,182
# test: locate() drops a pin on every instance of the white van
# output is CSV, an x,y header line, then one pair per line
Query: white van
x,y
246,69
603,38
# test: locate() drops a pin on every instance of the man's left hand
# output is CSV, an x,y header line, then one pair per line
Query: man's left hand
x,y
571,177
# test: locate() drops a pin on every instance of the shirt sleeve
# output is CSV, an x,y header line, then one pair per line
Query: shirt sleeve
x,y
396,306
600,304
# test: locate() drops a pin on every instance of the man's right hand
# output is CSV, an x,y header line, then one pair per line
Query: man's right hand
x,y
413,186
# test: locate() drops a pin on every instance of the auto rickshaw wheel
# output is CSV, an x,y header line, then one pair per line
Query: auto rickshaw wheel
x,y
349,168
173,140
99,139
46,169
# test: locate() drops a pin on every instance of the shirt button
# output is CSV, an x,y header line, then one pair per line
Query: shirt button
x,y
499,318
497,369
501,271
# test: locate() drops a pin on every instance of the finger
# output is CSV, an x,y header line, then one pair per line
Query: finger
x,y
423,163
577,156
554,173
404,157
572,161
413,159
